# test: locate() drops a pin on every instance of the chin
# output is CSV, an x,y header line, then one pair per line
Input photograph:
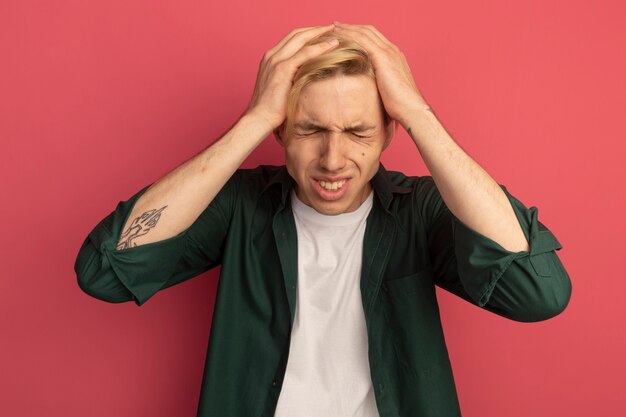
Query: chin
x,y
330,209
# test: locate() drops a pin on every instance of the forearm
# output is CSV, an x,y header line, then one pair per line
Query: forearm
x,y
175,201
470,193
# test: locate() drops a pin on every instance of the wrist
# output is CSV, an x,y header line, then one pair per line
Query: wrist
x,y
418,114
262,119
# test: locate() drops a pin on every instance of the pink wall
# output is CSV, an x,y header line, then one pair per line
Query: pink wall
x,y
97,99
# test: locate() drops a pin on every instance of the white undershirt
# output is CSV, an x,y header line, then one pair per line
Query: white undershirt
x,y
327,371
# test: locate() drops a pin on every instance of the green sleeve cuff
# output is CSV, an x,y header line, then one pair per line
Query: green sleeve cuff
x,y
142,270
528,285
138,272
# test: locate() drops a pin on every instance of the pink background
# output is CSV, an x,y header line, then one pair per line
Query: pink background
x,y
98,99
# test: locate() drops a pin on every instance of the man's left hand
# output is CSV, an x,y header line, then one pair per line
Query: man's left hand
x,y
394,79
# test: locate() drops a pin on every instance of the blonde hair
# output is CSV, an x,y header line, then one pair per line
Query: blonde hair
x,y
347,58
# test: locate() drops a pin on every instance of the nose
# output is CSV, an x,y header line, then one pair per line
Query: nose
x,y
332,156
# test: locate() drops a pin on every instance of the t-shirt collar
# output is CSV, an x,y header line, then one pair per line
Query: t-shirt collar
x,y
381,183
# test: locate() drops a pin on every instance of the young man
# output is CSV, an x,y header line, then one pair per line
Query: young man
x,y
326,302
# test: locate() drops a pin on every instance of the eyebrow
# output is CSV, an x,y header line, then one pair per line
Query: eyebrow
x,y
308,125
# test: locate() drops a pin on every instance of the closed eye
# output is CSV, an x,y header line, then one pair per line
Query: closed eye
x,y
317,131
308,134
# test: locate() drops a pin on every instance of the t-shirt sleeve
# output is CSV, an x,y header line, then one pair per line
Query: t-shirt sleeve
x,y
137,273
524,286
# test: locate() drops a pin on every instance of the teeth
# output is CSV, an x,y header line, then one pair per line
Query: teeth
x,y
332,185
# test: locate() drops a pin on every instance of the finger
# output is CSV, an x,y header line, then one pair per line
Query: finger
x,y
364,39
366,30
296,35
306,53
289,36
362,32
298,41
377,33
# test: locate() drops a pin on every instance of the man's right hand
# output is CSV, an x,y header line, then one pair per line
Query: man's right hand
x,y
187,190
277,69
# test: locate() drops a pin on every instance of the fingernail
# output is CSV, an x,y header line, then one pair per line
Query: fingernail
x,y
333,42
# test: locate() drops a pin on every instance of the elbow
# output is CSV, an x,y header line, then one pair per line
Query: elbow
x,y
548,306
91,286
86,268
96,278
562,301
527,297
541,313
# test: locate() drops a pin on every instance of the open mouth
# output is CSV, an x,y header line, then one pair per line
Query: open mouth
x,y
331,190
335,185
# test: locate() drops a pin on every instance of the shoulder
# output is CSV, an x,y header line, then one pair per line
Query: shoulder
x,y
270,180
261,176
415,194
417,184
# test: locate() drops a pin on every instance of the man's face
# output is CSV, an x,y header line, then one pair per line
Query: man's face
x,y
336,144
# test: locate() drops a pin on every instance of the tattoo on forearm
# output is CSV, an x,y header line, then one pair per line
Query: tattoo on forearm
x,y
139,227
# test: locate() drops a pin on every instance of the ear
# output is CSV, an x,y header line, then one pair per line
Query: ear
x,y
390,130
278,135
